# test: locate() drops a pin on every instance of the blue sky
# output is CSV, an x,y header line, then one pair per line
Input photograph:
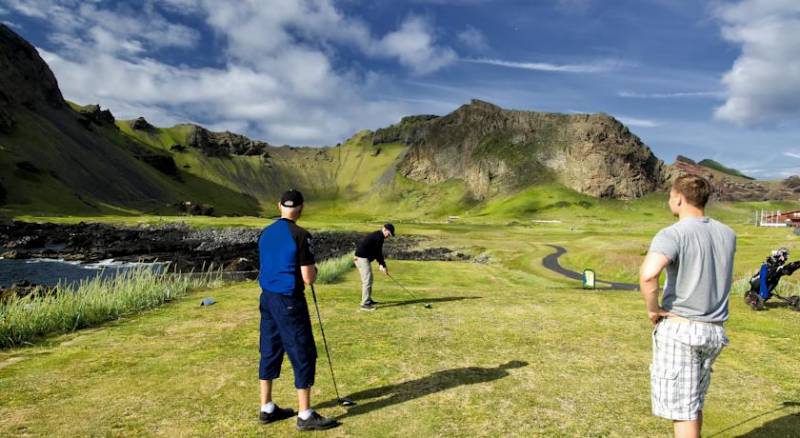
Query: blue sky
x,y
706,79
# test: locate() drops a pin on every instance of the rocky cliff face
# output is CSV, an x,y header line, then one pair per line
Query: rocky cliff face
x,y
493,150
25,79
23,71
733,188
224,144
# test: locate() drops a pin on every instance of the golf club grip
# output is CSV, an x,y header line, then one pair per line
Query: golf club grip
x,y
325,341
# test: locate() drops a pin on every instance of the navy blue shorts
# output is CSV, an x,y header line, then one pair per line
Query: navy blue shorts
x,y
286,327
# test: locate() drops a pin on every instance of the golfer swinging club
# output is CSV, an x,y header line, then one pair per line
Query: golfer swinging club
x,y
688,333
287,264
371,248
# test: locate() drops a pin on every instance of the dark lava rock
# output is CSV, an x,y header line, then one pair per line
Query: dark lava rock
x,y
3,194
141,124
23,289
232,249
94,114
224,144
427,254
177,148
163,163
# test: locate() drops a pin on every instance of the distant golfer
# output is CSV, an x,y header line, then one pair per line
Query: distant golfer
x,y
286,265
688,334
371,248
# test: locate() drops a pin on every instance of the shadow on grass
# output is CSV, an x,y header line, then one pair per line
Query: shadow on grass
x,y
424,301
783,426
439,381
777,305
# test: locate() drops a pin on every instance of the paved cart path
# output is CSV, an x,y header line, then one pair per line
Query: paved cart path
x,y
551,262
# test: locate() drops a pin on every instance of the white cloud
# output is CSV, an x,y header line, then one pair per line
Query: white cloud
x,y
413,45
277,79
763,85
598,67
473,39
792,155
637,122
676,95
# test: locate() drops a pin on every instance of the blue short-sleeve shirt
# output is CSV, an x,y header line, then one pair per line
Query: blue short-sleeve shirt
x,y
282,249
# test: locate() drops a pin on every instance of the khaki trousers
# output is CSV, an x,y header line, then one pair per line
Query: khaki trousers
x,y
365,269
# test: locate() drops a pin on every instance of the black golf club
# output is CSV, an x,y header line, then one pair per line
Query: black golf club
x,y
344,401
425,305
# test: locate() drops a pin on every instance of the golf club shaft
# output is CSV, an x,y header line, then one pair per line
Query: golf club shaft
x,y
325,342
403,287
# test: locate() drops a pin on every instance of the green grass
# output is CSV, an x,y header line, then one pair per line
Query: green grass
x,y
711,164
92,302
183,370
331,270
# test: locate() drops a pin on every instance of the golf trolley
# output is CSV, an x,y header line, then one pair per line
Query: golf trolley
x,y
764,282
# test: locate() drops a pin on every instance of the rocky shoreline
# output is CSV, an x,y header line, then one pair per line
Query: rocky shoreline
x,y
187,249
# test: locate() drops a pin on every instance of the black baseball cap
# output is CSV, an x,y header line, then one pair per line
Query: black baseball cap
x,y
292,198
389,227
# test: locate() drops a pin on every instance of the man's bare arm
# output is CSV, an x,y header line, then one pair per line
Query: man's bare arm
x,y
309,273
651,268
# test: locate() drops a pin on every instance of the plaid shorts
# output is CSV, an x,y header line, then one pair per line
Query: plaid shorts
x,y
683,352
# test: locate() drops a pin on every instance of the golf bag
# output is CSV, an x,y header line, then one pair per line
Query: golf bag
x,y
764,282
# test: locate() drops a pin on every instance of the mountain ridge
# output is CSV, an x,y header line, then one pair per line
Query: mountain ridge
x,y
56,156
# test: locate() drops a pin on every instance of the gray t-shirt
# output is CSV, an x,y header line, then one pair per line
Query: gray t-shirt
x,y
700,271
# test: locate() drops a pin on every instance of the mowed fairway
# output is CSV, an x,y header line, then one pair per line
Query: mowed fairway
x,y
508,349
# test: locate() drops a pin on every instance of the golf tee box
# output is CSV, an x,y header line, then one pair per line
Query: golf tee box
x,y
588,279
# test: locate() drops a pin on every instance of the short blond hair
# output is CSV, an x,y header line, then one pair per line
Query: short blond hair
x,y
695,188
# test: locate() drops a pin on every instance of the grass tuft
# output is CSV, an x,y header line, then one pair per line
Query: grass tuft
x,y
92,302
331,270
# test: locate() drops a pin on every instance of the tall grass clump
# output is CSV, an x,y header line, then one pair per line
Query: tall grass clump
x,y
332,269
92,302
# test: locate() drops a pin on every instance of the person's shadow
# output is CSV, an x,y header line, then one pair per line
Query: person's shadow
x,y
424,301
786,426
439,381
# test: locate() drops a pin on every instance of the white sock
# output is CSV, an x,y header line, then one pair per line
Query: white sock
x,y
268,408
305,415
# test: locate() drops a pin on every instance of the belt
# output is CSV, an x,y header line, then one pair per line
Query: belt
x,y
681,319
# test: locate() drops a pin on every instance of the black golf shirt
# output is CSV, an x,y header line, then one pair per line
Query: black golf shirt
x,y
371,248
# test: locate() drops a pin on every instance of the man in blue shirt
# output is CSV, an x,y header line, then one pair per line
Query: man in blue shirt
x,y
287,264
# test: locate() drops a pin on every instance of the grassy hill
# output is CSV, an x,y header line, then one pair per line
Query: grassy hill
x,y
711,164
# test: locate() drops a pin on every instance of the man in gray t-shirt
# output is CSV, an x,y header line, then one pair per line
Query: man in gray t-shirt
x,y
697,253
700,252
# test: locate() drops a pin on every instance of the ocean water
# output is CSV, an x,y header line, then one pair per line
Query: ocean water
x,y
50,272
